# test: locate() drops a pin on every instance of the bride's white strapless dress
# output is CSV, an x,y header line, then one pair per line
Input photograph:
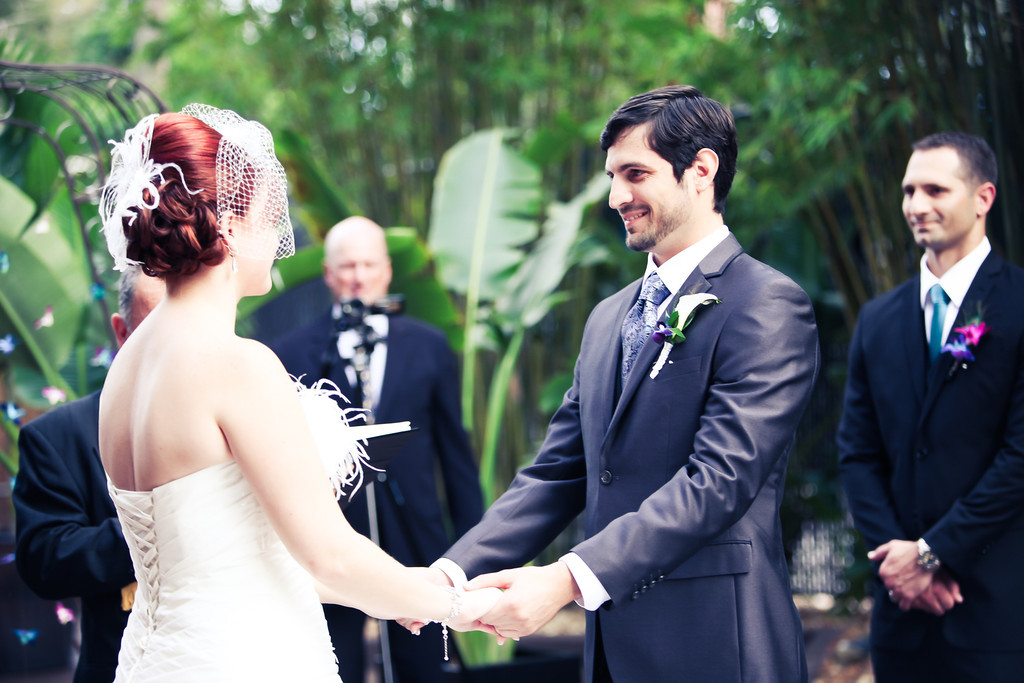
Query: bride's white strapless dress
x,y
219,596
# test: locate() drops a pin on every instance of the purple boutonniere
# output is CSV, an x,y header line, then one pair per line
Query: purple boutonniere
x,y
962,342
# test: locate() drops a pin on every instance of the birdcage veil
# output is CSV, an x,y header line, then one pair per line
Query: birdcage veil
x,y
251,185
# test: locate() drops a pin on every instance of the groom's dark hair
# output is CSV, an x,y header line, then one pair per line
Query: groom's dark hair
x,y
684,122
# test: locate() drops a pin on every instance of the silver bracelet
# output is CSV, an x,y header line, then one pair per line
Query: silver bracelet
x,y
456,606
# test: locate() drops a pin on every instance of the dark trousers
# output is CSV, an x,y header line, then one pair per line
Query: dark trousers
x,y
936,661
415,659
601,672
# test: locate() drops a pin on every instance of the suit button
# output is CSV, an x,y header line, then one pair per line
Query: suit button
x,y
922,453
606,477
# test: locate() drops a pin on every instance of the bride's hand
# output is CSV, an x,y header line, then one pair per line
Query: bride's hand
x,y
434,576
475,604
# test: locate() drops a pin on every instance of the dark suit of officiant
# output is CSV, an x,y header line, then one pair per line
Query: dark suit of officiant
x,y
679,479
420,385
69,541
938,451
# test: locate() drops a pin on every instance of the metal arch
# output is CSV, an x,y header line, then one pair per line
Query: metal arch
x,y
100,102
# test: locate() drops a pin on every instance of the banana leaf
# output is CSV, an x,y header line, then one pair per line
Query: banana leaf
x,y
44,289
485,207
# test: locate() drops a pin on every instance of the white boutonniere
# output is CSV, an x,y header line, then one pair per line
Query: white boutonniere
x,y
670,331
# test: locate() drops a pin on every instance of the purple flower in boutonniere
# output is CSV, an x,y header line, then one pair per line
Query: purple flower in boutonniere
x,y
959,349
671,330
964,339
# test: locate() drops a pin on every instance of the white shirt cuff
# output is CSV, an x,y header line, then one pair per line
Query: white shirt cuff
x,y
453,571
594,594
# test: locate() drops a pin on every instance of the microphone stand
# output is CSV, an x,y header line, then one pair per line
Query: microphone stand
x,y
361,364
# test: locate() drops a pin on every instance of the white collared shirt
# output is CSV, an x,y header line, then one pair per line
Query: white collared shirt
x,y
955,283
347,341
677,269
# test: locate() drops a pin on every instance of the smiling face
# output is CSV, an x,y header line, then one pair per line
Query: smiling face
x,y
944,208
661,215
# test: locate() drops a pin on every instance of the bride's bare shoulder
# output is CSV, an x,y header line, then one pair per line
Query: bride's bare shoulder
x,y
250,364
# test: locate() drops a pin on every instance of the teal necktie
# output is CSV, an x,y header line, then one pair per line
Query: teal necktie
x,y
940,302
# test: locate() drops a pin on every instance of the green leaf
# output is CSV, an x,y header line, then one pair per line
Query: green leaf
x,y
45,273
486,199
531,288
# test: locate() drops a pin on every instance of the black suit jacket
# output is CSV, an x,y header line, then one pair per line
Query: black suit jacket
x,y
69,541
420,385
939,452
680,482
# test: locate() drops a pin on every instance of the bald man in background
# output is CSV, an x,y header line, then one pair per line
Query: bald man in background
x,y
413,376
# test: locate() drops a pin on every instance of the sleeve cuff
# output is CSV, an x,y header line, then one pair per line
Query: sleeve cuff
x,y
594,594
452,571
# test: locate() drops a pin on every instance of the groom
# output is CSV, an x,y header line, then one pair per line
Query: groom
x,y
676,457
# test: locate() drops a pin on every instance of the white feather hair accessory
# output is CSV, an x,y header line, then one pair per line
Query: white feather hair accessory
x,y
132,173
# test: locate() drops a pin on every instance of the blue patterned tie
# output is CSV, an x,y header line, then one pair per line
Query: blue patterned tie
x,y
940,302
641,321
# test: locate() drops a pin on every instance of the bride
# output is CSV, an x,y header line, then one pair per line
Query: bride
x,y
228,510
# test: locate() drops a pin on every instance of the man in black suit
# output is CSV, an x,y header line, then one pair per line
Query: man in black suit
x,y
675,452
931,442
69,541
412,376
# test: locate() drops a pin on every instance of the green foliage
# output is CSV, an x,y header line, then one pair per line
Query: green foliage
x,y
45,292
486,200
365,99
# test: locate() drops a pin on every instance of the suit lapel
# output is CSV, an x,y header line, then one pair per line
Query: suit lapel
x,y
699,281
909,321
978,293
607,365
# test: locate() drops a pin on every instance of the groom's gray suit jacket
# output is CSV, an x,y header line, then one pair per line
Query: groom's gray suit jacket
x,y
680,479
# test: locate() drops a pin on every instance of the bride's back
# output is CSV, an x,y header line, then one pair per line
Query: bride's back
x,y
159,406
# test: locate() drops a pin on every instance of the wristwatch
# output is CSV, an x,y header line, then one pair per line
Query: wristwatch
x,y
926,559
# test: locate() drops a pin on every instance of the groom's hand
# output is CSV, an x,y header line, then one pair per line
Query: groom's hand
x,y
533,595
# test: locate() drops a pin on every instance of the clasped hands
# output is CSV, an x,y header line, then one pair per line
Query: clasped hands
x,y
509,604
910,585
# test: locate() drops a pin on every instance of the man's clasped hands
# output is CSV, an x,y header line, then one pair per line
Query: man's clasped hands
x,y
509,604
912,586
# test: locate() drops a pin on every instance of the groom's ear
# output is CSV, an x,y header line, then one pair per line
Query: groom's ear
x,y
705,168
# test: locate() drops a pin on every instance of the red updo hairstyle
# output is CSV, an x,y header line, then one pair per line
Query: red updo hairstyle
x,y
181,233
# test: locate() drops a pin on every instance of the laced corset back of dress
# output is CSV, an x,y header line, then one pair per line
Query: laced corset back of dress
x,y
135,512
